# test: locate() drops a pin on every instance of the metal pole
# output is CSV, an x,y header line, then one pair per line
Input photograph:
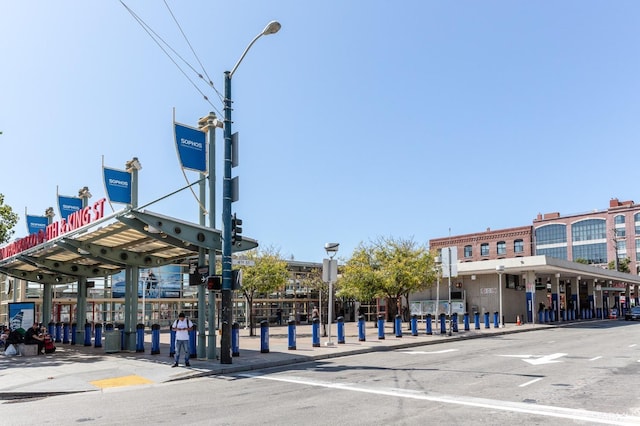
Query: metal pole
x,y
201,349
211,349
450,310
501,322
225,342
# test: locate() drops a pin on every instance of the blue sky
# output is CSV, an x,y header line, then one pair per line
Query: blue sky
x,y
359,119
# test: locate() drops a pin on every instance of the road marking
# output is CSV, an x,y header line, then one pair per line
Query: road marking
x,y
538,360
516,407
121,381
595,358
632,345
530,382
425,352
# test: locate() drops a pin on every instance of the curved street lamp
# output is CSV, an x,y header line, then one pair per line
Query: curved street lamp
x,y
225,342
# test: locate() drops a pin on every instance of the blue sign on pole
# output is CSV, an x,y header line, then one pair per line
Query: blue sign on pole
x,y
68,205
118,185
191,145
36,224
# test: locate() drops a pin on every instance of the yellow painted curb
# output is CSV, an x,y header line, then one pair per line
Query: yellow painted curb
x,y
121,381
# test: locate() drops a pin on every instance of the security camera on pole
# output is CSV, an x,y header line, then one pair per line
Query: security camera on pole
x,y
329,275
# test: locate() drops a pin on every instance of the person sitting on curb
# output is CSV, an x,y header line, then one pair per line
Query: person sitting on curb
x,y
33,336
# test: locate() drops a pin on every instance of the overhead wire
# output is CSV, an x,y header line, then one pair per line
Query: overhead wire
x,y
157,39
210,82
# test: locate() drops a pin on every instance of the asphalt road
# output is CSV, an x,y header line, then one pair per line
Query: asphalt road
x,y
582,374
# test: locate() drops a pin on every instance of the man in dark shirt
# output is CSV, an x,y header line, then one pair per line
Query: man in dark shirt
x,y
33,337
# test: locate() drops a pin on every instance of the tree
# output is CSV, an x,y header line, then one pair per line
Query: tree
x,y
8,219
268,274
390,268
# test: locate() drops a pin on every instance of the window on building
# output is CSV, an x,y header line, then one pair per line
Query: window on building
x,y
518,246
501,248
551,234
619,219
592,253
638,249
636,220
468,252
589,230
484,249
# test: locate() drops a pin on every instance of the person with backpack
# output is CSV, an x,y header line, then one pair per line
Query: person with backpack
x,y
182,327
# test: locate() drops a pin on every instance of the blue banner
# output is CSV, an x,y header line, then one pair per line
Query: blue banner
x,y
68,205
36,224
21,316
191,145
118,185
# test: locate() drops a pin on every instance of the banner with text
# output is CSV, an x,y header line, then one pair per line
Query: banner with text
x,y
191,145
118,185
68,205
36,224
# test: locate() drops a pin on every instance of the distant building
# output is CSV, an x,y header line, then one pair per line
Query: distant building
x,y
595,238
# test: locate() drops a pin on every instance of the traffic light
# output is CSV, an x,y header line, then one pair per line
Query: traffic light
x,y
214,282
236,229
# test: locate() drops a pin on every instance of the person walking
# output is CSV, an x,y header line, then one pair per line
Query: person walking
x,y
182,326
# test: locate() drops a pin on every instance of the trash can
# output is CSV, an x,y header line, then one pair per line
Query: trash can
x,y
112,341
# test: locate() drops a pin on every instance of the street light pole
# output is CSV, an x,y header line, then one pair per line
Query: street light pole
x,y
225,343
500,271
330,273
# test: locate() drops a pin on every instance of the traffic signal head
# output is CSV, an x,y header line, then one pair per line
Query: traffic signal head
x,y
236,229
214,282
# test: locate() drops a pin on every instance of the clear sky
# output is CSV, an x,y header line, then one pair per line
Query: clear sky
x,y
359,119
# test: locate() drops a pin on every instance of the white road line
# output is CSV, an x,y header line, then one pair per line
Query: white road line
x,y
425,352
530,382
632,345
516,407
595,358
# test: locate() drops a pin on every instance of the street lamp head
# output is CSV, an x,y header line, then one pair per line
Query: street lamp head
x,y
331,249
271,28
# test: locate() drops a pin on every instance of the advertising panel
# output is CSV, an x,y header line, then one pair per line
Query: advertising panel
x,y
156,283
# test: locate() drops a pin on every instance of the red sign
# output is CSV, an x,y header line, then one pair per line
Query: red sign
x,y
75,220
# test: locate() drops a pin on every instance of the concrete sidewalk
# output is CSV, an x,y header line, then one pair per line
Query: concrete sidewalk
x,y
79,368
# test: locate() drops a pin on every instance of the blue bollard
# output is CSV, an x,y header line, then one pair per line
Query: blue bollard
x,y
155,338
563,315
58,338
235,339
428,321
466,321
172,342
546,315
362,336
486,320
65,333
540,317
192,341
74,329
443,325
97,342
496,323
315,333
123,343
476,320
584,313
454,323
87,334
414,325
340,322
108,327
380,327
140,338
552,316
398,324
292,335
264,337
51,328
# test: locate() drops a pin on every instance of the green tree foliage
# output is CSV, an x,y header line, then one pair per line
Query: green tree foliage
x,y
623,265
269,274
389,268
8,219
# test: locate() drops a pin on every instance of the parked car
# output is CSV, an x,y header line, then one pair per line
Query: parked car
x,y
633,314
